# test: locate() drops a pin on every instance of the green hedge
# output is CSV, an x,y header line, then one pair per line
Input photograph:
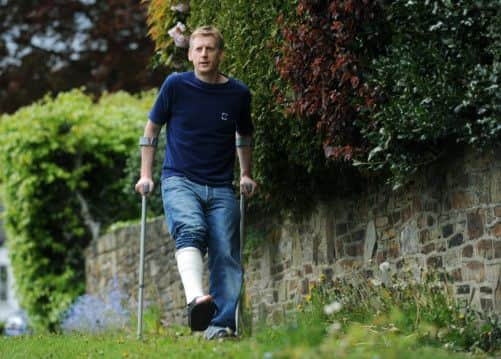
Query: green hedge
x,y
439,73
60,159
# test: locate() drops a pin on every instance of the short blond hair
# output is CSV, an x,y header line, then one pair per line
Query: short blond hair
x,y
208,30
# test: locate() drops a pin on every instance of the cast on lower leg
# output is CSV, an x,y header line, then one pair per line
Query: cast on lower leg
x,y
190,267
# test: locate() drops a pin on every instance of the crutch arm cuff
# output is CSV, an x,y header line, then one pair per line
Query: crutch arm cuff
x,y
148,141
243,141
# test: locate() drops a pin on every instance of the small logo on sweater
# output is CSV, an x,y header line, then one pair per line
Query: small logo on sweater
x,y
224,116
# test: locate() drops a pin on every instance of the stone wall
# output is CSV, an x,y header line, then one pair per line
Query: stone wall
x,y
449,217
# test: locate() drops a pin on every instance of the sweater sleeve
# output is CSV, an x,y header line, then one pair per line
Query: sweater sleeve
x,y
161,110
244,123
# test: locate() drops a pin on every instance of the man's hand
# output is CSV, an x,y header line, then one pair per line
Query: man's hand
x,y
247,186
144,181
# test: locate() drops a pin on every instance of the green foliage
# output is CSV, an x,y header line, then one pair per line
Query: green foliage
x,y
132,173
366,86
424,307
320,59
61,169
162,16
439,82
390,95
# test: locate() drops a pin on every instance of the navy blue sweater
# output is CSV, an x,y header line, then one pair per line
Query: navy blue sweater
x,y
201,120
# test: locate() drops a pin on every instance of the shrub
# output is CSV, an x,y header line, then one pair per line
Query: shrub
x,y
440,81
61,171
320,58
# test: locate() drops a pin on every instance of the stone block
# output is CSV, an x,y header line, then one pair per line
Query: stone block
x,y
447,230
424,236
496,230
486,290
340,248
467,251
349,264
463,289
305,286
307,269
492,272
421,221
461,200
427,249
485,248
497,249
475,225
277,269
331,248
389,233
406,213
354,249
381,222
409,243
416,204
394,250
341,228
486,304
358,236
452,258
395,218
381,256
370,241
456,240
282,290
495,185
457,275
474,271
497,211
431,206
497,296
434,262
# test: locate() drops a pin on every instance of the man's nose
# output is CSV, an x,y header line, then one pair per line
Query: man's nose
x,y
204,52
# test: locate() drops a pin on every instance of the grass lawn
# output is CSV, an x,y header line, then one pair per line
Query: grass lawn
x,y
336,320
358,341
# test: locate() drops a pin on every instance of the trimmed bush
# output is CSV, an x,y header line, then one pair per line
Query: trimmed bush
x,y
62,166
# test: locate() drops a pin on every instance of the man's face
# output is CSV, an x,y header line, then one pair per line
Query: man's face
x,y
205,55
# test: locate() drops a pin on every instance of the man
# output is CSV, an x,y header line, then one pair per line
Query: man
x,y
207,115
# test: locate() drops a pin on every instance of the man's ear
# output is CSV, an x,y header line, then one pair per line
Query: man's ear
x,y
221,55
189,54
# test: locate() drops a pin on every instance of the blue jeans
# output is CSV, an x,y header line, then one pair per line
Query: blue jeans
x,y
208,218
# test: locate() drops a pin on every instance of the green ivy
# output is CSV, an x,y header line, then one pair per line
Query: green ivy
x,y
62,165
439,79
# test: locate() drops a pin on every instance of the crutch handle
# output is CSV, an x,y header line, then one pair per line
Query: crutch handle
x,y
146,188
246,186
